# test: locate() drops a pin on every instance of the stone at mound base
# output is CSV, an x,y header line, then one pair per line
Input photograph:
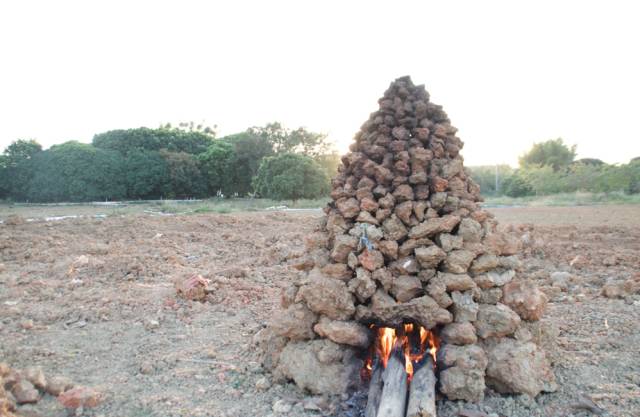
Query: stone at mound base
x,y
525,298
320,366
462,375
519,367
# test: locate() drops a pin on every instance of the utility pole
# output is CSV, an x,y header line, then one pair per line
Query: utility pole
x,y
497,175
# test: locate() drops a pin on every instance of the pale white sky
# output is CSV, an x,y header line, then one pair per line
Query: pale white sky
x,y
508,73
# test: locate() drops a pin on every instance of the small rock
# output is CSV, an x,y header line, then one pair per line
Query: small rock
x,y
27,324
263,384
58,384
496,321
282,407
430,256
36,377
14,220
560,279
348,207
362,285
449,242
470,230
4,369
24,392
394,229
296,322
459,333
7,401
80,397
406,287
519,367
525,298
342,246
193,288
82,260
328,296
484,263
151,324
371,260
579,262
464,308
344,332
458,261
146,368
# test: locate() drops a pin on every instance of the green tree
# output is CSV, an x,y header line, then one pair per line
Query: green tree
x,y
4,178
76,171
216,165
553,153
196,127
16,168
285,140
290,177
516,186
590,161
185,178
486,175
171,139
543,180
249,150
633,173
146,175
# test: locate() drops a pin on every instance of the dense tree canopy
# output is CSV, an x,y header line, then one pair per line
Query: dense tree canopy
x,y
171,139
146,175
76,171
185,179
16,168
290,177
589,161
553,153
285,140
216,165
249,150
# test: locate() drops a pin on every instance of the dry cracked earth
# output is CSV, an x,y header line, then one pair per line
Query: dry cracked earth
x,y
93,299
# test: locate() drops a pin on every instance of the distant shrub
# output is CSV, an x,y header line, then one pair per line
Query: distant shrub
x,y
290,177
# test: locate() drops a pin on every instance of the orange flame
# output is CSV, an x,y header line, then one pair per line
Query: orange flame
x,y
388,337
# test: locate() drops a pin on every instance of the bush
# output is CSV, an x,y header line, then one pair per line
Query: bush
x,y
516,186
290,177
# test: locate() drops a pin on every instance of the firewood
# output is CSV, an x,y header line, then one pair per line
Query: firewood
x,y
422,391
375,390
393,401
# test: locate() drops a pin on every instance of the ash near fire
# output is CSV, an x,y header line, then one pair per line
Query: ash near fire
x,y
405,259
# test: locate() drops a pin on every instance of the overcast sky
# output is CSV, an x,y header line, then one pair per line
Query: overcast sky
x,y
508,74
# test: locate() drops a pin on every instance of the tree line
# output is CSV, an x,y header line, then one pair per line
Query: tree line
x,y
550,167
168,162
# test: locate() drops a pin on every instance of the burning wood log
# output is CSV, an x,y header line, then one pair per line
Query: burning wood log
x,y
422,392
375,390
393,401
